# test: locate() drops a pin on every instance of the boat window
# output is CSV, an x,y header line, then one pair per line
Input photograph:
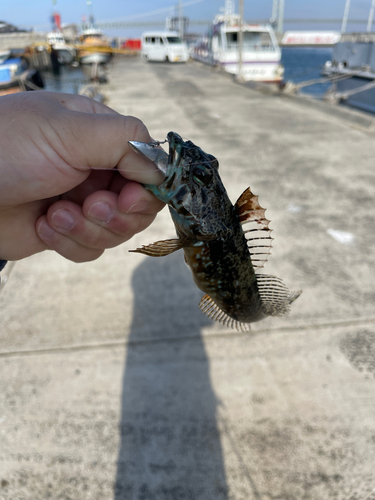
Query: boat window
x,y
174,39
252,40
232,38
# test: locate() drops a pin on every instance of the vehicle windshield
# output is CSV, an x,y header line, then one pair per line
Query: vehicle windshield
x,y
174,39
252,40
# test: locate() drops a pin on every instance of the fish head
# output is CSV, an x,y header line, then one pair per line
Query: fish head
x,y
194,191
192,187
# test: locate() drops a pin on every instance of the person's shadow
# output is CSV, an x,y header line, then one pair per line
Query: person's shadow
x,y
170,443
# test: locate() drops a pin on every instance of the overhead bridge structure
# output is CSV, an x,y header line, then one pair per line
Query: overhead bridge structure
x,y
207,22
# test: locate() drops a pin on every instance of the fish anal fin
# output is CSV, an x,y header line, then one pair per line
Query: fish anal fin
x,y
275,296
161,248
213,311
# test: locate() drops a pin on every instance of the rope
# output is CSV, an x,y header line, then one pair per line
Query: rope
x,y
348,93
329,79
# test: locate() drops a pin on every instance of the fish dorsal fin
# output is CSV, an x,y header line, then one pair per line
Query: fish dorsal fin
x,y
257,232
275,296
213,311
161,248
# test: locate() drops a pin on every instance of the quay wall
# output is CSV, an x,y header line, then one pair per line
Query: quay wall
x,y
20,40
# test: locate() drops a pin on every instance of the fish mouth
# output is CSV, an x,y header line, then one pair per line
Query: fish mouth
x,y
175,148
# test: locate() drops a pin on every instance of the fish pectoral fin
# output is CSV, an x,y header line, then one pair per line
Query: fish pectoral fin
x,y
257,232
161,248
276,297
214,312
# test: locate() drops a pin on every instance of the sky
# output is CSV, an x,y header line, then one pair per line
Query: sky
x,y
36,13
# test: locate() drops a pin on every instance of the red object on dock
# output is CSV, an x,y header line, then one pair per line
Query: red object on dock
x,y
132,44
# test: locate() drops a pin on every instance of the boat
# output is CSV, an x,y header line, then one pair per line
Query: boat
x,y
94,48
4,55
352,71
15,76
260,55
66,54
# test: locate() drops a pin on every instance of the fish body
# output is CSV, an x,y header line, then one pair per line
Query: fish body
x,y
222,257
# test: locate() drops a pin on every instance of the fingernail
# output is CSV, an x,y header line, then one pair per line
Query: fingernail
x,y
63,219
138,207
45,231
101,211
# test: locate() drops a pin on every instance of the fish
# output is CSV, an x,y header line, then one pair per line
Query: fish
x,y
224,245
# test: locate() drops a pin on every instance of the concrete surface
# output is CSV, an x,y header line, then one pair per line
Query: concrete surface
x,y
115,386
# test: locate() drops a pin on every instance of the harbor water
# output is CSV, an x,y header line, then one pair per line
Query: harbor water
x,y
305,63
69,79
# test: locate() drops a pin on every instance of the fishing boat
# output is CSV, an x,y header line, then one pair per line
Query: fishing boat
x,y
4,55
15,76
94,49
66,53
259,57
352,70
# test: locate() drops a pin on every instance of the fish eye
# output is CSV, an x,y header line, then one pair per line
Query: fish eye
x,y
202,175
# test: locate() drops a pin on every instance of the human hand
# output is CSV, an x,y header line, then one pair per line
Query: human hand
x,y
52,194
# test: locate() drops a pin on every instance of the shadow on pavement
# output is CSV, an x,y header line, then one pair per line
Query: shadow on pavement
x,y
170,443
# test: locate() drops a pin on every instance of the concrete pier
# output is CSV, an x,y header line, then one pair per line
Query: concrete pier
x,y
113,385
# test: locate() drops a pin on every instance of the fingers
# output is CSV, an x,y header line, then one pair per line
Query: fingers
x,y
105,220
98,139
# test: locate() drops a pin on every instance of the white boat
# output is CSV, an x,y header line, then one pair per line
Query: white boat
x,y
65,53
261,54
95,48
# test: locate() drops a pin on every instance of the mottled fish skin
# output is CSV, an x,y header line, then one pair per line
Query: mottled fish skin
x,y
209,229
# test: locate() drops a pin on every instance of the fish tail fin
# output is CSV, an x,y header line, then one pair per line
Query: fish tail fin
x,y
276,297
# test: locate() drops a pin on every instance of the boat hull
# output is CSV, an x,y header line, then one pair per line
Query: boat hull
x,y
94,57
364,100
258,71
267,72
353,61
66,56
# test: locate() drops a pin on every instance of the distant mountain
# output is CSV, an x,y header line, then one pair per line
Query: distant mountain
x,y
9,28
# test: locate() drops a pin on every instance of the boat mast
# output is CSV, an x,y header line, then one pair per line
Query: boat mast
x,y
281,16
345,18
181,21
240,38
371,15
275,8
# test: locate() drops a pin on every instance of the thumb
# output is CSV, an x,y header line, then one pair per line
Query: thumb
x,y
96,137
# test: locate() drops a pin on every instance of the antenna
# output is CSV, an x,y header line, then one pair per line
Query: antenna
x,y
371,15
345,18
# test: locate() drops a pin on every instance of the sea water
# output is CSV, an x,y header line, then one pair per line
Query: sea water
x,y
305,63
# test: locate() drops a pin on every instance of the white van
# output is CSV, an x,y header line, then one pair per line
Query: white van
x,y
163,46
